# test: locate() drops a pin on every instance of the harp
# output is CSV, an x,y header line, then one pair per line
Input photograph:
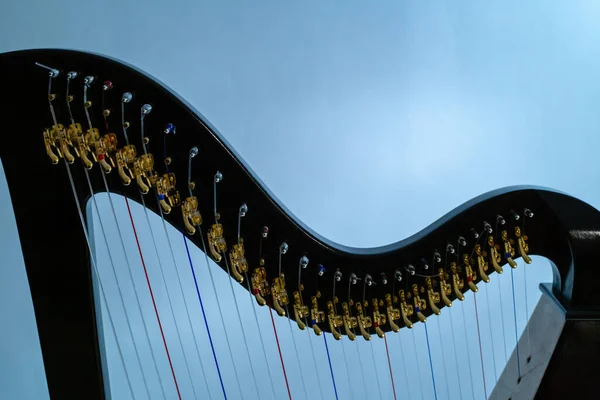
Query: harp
x,y
482,237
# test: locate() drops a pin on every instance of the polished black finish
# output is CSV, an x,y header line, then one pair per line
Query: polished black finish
x,y
564,229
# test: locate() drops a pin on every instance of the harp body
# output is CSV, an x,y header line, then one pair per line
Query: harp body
x,y
565,230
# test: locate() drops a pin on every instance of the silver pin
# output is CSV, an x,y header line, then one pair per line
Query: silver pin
x,y
449,248
424,264
71,75
514,215
384,278
146,109
337,276
52,72
303,261
243,210
369,280
126,98
528,213
487,227
283,248
88,80
462,241
193,152
474,233
398,275
265,232
353,278
218,177
321,270
500,220
437,257
410,269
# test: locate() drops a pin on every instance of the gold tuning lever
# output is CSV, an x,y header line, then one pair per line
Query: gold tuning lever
x,y
405,309
349,321
523,246
125,157
66,144
432,296
509,251
143,169
279,294
300,310
191,215
457,282
168,196
260,285
378,318
106,145
51,142
420,304
494,254
316,315
364,322
335,321
482,264
393,314
445,288
239,265
216,241
471,275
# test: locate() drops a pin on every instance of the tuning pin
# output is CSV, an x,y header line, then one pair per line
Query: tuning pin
x,y
368,280
514,215
71,75
424,264
353,278
88,80
398,275
474,233
449,248
52,72
283,248
218,177
462,241
410,269
436,256
337,276
243,210
500,220
265,231
170,129
107,85
487,227
146,109
126,98
304,262
383,278
528,213
321,270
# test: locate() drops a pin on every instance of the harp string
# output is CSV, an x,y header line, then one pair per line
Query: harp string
x,y
454,349
412,331
387,352
480,348
52,74
335,278
518,360
430,362
525,267
330,366
287,384
487,300
439,323
464,320
212,347
296,352
164,281
402,357
212,281
314,357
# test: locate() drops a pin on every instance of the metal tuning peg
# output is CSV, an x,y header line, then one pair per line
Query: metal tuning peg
x,y
317,316
126,157
406,310
260,285
216,241
445,288
420,303
335,321
279,294
393,314
471,275
432,296
300,310
349,321
482,264
239,264
522,245
364,322
509,251
457,282
494,254
378,318
168,196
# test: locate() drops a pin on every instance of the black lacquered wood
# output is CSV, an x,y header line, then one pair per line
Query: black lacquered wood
x,y
564,229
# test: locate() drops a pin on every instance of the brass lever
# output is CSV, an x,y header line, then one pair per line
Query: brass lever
x,y
494,255
420,304
125,157
393,314
378,318
364,322
279,294
216,241
239,264
260,285
509,251
445,288
482,263
523,246
349,322
300,310
335,321
405,309
457,282
316,315
432,296
471,276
